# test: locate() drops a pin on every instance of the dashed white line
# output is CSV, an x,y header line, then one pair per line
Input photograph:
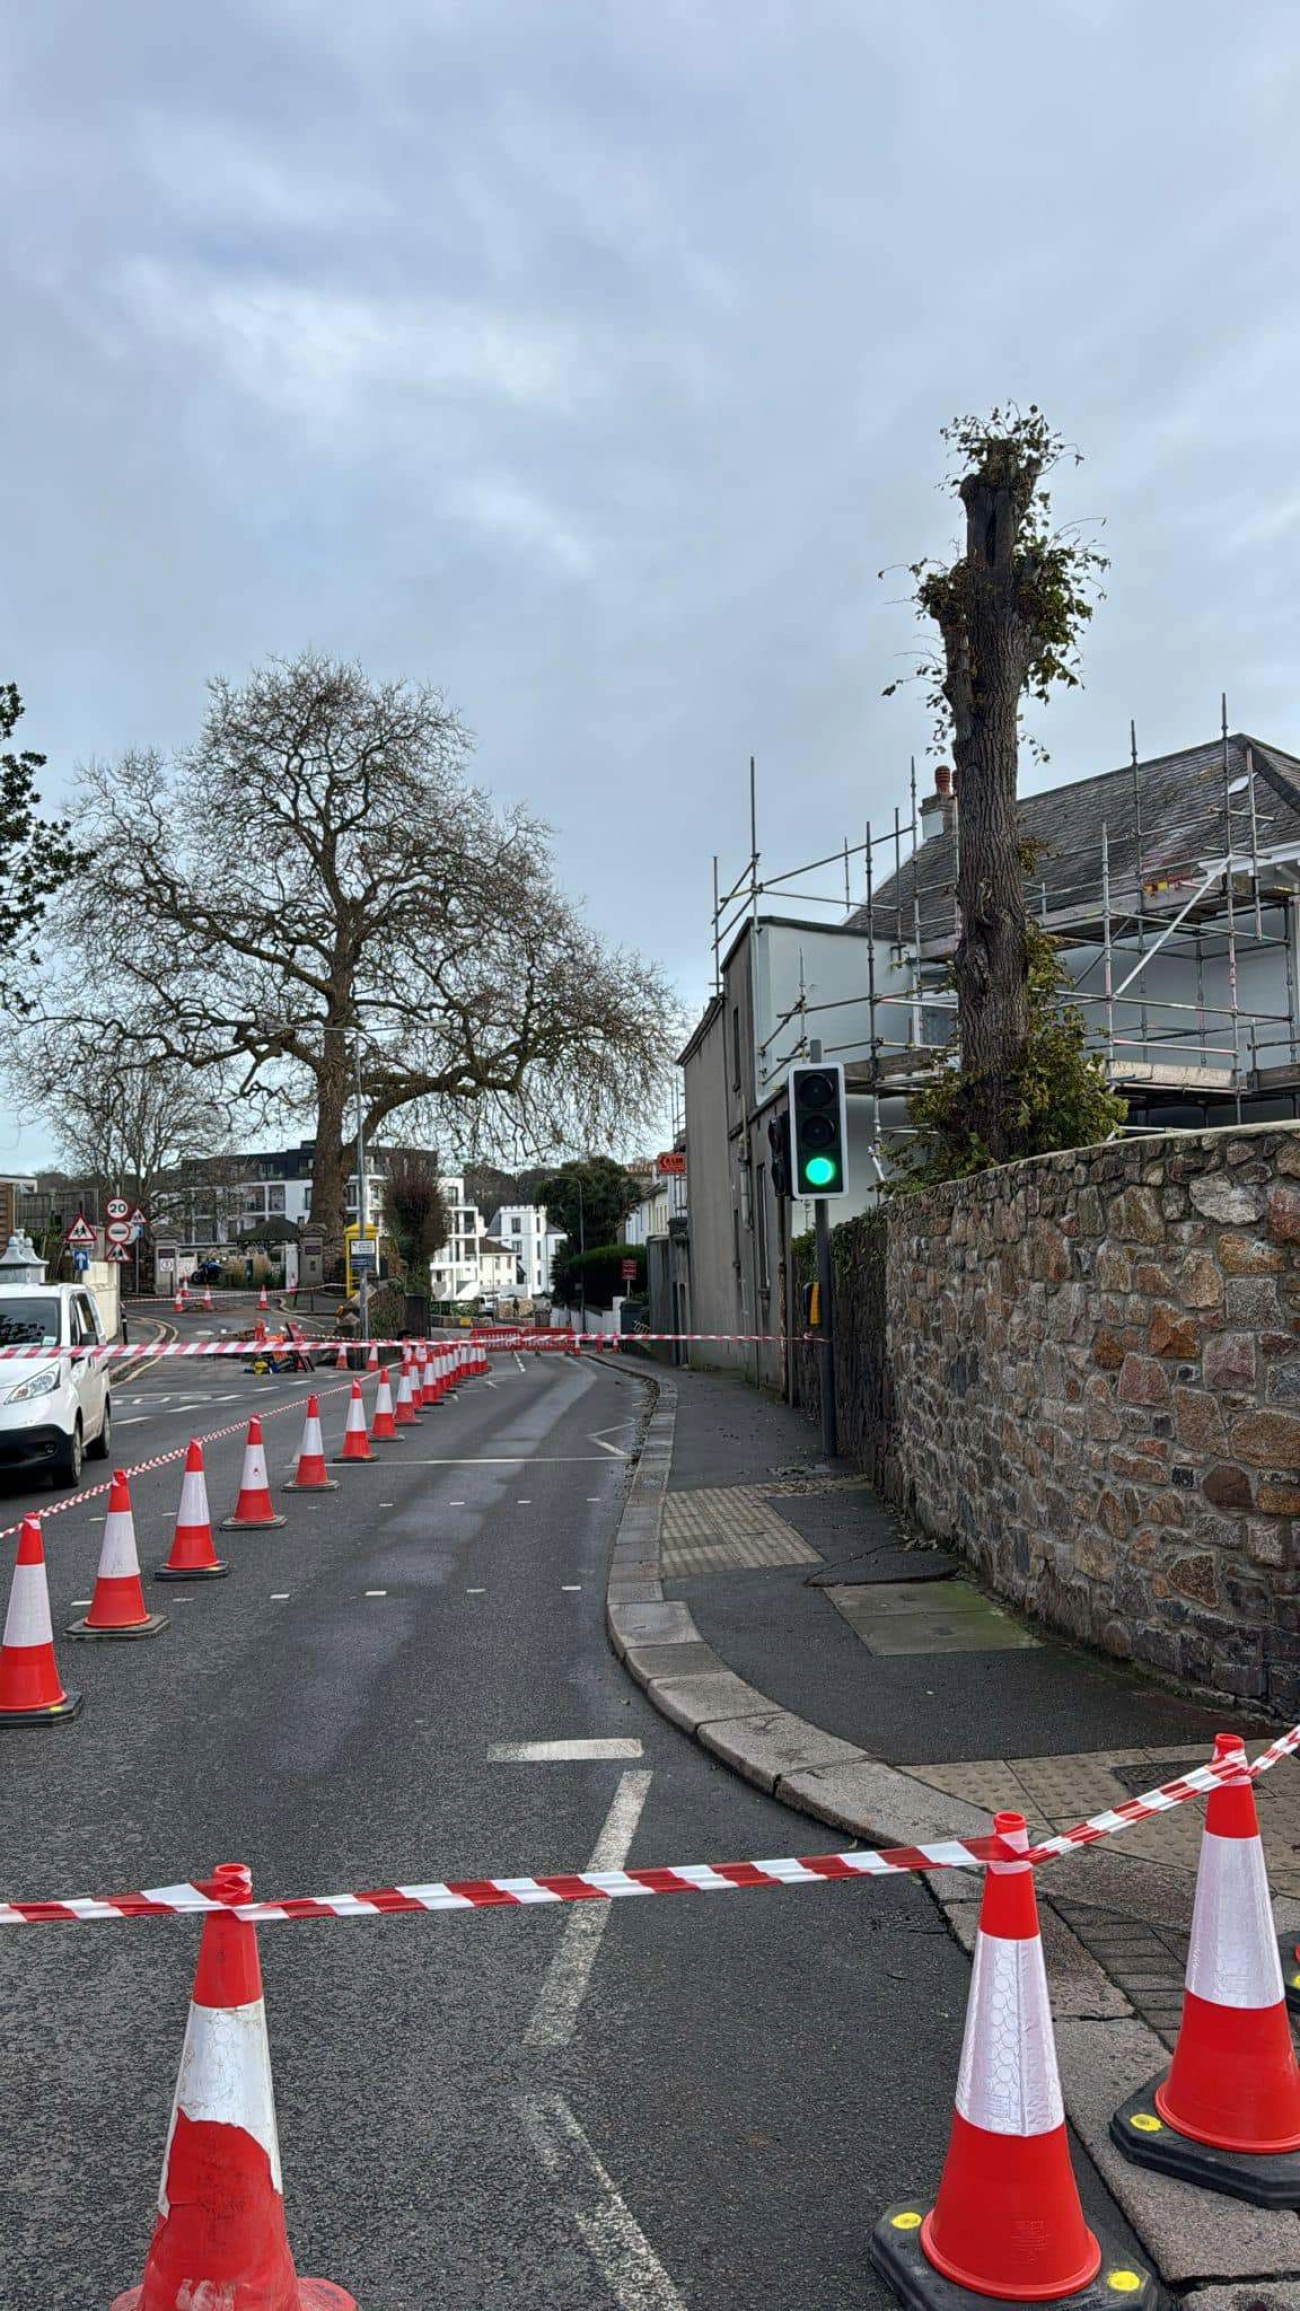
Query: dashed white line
x,y
618,2246
569,1753
555,2016
81,1601
376,1592
571,1588
476,1592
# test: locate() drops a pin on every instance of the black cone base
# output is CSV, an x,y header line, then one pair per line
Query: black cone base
x,y
153,1627
1264,2179
896,2252
215,1572
250,1524
61,1714
1290,1970
331,1485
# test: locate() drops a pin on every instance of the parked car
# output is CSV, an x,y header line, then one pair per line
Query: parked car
x,y
56,1407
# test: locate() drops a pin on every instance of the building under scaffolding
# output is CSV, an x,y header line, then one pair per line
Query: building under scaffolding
x,y
1172,885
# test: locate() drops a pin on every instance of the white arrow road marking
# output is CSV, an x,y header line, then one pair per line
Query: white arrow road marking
x,y
614,2239
555,2016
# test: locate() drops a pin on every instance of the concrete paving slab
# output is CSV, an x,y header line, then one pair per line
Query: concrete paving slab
x,y
1190,2233
767,1746
661,1622
689,1657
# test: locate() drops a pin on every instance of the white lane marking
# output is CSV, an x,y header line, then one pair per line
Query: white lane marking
x,y
571,1588
81,1601
137,1420
476,1592
388,1504
564,1753
618,2246
555,2016
524,1504
518,1359
455,1504
512,1460
593,1497
615,1449
376,1592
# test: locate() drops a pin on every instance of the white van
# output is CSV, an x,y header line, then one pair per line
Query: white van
x,y
54,1408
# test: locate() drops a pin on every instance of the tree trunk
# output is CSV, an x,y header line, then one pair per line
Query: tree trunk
x,y
990,963
330,1161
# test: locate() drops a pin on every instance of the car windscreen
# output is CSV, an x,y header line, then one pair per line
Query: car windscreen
x,y
29,1323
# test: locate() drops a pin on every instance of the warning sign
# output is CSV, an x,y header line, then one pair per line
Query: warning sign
x,y
81,1232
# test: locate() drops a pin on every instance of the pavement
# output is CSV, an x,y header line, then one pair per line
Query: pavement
x,y
772,1606
647,2105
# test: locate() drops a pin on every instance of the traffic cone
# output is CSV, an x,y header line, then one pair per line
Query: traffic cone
x,y
356,1444
31,1691
1007,2222
193,1557
262,1301
220,2238
117,1608
424,1368
178,1304
341,1360
309,1476
207,1297
383,1428
372,1360
1227,2116
404,1409
253,1511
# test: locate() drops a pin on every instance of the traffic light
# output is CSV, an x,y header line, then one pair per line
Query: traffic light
x,y
818,1130
778,1142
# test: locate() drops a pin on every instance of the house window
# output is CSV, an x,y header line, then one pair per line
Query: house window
x,y
275,1199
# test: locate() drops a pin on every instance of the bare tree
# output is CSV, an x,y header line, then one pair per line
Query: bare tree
x,y
1009,610
317,882
121,1117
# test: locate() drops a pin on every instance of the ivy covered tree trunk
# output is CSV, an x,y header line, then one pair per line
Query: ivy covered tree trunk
x,y
991,964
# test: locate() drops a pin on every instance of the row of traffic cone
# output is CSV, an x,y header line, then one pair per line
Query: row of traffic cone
x,y
31,1689
1007,2225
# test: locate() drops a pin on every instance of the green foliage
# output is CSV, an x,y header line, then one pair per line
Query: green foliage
x,y
1056,573
1060,1097
597,1277
36,857
416,1210
589,1199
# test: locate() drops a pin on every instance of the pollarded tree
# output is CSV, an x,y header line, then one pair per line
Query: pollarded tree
x,y
317,879
1009,609
36,857
417,1212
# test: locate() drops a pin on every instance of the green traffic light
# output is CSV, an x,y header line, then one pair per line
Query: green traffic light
x,y
819,1171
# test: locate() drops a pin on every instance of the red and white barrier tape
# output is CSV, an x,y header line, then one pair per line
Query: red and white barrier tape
x,y
281,1340
188,1901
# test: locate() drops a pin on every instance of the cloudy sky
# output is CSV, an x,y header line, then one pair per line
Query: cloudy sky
x,y
588,356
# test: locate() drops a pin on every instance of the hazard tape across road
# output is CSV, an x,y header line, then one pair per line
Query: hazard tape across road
x,y
516,1343
189,1901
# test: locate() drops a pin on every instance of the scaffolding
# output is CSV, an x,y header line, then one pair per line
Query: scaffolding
x,y
1173,893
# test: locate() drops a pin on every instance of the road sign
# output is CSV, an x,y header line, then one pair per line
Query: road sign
x,y
363,1255
80,1262
117,1208
138,1218
81,1232
629,1271
118,1231
117,1252
671,1165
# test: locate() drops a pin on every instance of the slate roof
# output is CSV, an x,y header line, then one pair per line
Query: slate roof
x,y
1183,807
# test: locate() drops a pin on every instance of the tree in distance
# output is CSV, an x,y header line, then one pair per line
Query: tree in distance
x,y
589,1199
416,1211
36,858
317,878
1009,611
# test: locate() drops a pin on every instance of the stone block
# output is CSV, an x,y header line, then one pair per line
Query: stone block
x,y
1199,1419
694,1702
769,1745
1251,1301
1226,1486
1268,1437
1113,1268
1229,1361
1284,1213
1247,1255
1172,1333
1136,1218
1143,1380
1200,1284
1221,1198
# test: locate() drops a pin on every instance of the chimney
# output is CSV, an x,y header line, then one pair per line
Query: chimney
x,y
939,810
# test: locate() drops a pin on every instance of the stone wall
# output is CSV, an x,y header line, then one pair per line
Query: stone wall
x,y
1096,1369
864,1392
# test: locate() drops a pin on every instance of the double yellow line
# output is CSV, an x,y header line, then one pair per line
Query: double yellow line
x,y
129,1369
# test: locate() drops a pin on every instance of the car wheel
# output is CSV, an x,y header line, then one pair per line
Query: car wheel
x,y
103,1443
67,1466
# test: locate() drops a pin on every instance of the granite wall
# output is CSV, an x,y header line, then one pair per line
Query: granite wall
x,y
1095,1364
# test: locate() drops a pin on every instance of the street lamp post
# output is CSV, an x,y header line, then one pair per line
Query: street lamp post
x,y
363,1286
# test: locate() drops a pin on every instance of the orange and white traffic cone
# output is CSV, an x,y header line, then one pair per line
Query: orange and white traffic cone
x,y
253,1511
207,1297
220,2236
424,1375
383,1428
1007,2222
1228,2114
372,1360
262,1301
404,1408
310,1476
117,1608
356,1443
193,1557
31,1690
178,1304
341,1360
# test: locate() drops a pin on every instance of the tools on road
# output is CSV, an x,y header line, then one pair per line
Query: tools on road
x,y
254,1511
310,1475
193,1555
1007,2222
31,1690
1227,2116
117,1608
220,2236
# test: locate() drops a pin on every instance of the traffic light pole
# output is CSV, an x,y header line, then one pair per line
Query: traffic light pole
x,y
825,1309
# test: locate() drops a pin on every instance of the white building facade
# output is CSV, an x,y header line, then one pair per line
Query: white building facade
x,y
525,1229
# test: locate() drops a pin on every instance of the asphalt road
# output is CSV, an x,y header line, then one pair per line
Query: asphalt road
x,y
650,2105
